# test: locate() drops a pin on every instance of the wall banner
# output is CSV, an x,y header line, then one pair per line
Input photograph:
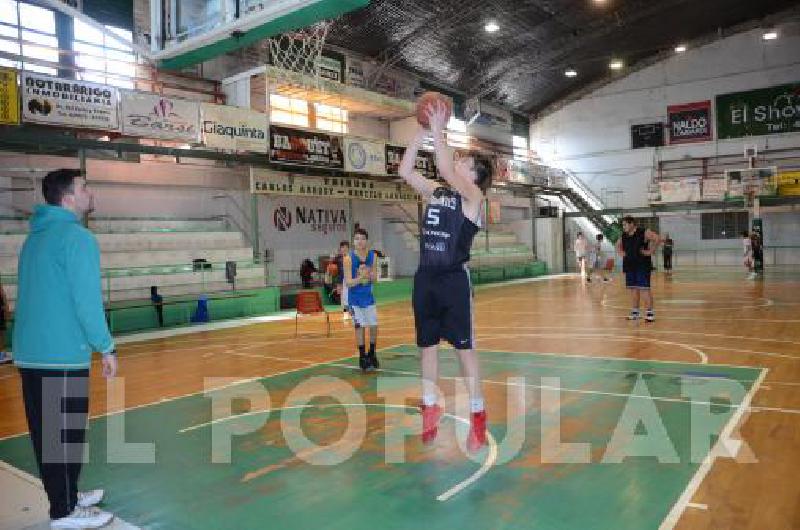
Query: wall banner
x,y
690,122
307,148
264,181
156,116
364,156
234,128
68,102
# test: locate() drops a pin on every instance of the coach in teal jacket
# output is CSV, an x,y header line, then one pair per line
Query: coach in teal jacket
x,y
59,317
59,320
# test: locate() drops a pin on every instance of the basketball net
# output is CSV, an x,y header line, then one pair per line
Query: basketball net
x,y
299,51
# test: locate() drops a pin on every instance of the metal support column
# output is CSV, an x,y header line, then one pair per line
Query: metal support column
x,y
486,216
255,237
564,240
534,215
350,219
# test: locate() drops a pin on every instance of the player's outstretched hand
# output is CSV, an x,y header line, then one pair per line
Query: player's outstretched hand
x,y
437,117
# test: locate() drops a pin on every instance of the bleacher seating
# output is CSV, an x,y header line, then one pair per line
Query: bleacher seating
x,y
138,253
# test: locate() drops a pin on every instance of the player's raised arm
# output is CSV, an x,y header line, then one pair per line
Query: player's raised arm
x,y
407,168
462,183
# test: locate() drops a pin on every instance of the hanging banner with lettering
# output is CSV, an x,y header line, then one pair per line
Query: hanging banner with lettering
x,y
714,189
757,112
308,148
683,190
68,102
690,122
234,128
9,97
330,68
364,156
355,73
425,163
265,181
155,116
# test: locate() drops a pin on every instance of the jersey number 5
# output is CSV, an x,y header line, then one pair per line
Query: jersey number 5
x,y
433,217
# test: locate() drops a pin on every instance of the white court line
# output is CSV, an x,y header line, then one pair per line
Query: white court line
x,y
697,506
526,385
767,303
677,510
173,398
491,457
671,332
618,338
694,347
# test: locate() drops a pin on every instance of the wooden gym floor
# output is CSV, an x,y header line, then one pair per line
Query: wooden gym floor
x,y
714,328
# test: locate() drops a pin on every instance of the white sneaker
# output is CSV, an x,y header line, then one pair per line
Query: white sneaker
x,y
90,498
5,357
83,518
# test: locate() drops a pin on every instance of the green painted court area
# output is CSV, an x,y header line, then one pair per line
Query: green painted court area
x,y
267,485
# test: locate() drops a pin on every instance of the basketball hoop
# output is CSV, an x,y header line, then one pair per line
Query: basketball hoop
x,y
299,51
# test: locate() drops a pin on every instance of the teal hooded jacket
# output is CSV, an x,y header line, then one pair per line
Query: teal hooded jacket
x,y
59,318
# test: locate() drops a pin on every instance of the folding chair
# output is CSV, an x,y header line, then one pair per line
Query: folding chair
x,y
310,303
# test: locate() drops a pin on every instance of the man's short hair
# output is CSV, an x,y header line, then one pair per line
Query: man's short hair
x,y
58,183
629,219
484,171
361,231
344,243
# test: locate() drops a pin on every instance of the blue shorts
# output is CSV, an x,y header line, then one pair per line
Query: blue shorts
x,y
637,279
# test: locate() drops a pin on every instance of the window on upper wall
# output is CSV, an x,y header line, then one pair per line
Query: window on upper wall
x,y
105,59
330,118
724,225
291,111
520,145
28,31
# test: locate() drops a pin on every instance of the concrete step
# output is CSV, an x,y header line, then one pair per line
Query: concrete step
x,y
142,241
186,289
14,225
8,262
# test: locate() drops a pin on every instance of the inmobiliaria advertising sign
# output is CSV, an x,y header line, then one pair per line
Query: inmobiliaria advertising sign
x,y
68,102
690,122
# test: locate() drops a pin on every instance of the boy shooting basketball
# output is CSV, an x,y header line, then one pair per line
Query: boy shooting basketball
x,y
442,296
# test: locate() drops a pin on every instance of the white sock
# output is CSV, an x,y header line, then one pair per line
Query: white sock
x,y
429,400
476,405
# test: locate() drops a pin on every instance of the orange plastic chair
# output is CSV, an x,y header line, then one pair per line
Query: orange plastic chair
x,y
310,303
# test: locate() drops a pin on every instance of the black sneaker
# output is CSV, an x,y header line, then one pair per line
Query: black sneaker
x,y
634,315
363,362
650,317
372,359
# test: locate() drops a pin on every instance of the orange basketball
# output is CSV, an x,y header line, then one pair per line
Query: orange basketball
x,y
430,98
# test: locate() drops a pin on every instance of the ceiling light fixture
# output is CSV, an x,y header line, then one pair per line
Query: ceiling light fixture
x,y
770,35
571,73
680,48
616,64
491,26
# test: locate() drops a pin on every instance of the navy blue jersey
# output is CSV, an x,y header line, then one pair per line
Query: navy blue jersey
x,y
446,234
633,245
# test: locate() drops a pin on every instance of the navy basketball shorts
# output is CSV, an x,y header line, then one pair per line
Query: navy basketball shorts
x,y
442,302
637,279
